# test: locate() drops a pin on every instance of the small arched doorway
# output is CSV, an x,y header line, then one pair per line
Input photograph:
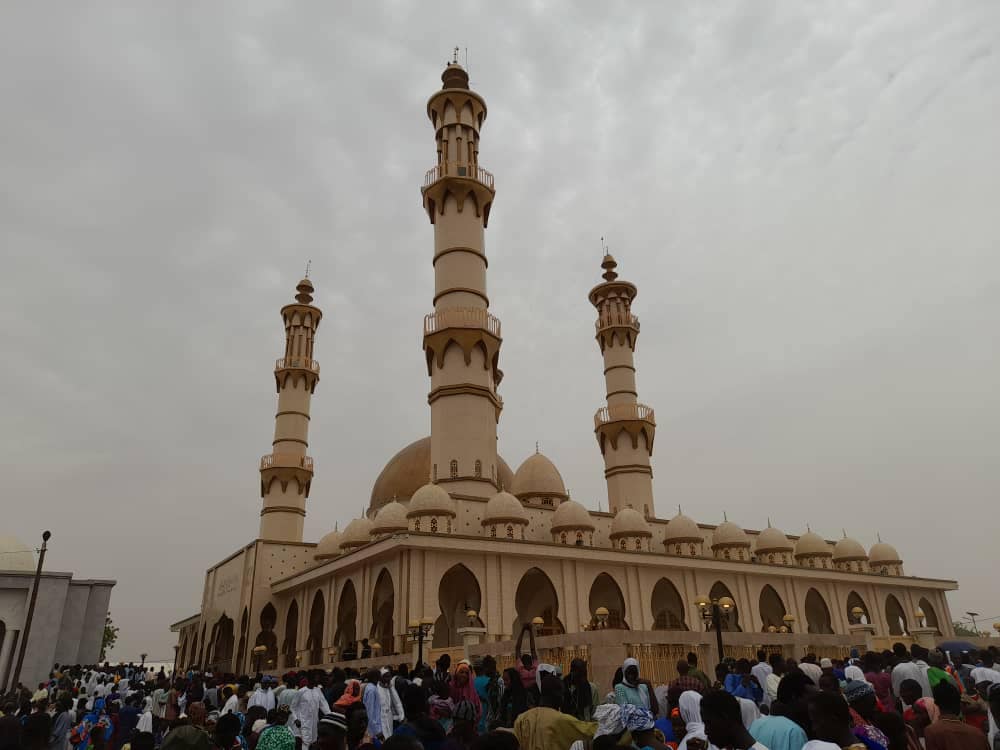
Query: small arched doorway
x,y
817,614
457,594
317,616
346,634
895,616
241,652
772,609
604,592
383,605
930,615
732,622
536,597
854,601
267,638
668,607
289,646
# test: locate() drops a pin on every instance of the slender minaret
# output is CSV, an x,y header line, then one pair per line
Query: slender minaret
x,y
286,472
625,428
461,339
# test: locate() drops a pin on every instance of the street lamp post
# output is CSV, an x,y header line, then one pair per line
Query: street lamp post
x,y
789,621
858,613
418,630
712,612
973,616
258,653
46,535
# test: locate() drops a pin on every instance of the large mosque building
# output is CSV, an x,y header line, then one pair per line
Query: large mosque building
x,y
455,539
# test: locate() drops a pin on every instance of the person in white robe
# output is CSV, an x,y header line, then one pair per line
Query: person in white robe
x,y
391,707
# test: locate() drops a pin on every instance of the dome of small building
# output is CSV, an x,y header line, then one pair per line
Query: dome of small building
x,y
410,469
773,540
16,555
570,516
682,528
812,543
849,549
357,534
629,522
884,553
729,534
431,500
389,519
503,507
537,476
329,546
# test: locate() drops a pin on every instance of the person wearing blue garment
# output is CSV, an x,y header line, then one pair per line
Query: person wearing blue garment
x,y
743,684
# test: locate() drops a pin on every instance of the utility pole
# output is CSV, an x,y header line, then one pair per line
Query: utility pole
x,y
23,646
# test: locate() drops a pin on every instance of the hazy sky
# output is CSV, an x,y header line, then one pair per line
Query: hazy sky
x,y
806,194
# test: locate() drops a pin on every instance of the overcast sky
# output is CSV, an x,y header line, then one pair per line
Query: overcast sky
x,y
805,193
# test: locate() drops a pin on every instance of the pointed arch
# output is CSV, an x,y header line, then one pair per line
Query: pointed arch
x,y
193,655
346,633
383,606
605,592
204,644
895,616
668,607
930,614
317,617
458,592
817,613
854,600
241,652
536,597
731,623
289,645
772,609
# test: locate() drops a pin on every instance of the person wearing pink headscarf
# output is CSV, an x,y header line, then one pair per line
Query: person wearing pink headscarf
x,y
462,688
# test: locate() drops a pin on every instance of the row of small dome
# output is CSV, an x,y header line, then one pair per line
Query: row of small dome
x,y
433,502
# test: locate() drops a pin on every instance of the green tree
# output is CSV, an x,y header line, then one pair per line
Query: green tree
x,y
110,636
963,629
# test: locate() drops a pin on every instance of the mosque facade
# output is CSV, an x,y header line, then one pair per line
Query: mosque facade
x,y
456,540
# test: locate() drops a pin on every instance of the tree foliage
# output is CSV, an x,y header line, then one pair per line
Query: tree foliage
x,y
963,629
110,636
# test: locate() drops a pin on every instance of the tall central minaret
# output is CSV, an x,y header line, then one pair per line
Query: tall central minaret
x,y
625,428
461,338
286,472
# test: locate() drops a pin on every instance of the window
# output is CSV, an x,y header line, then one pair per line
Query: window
x,y
693,553
434,525
493,531
478,469
510,531
454,469
562,537
435,472
622,545
638,544
416,524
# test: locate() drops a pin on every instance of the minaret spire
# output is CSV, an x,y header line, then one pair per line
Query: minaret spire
x,y
286,473
625,428
461,338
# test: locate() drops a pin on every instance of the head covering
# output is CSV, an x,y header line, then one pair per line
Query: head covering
x,y
335,720
826,663
464,711
258,726
277,737
196,713
609,719
630,662
303,683
928,704
820,745
351,694
543,669
636,719
853,672
857,690
466,692
748,711
690,707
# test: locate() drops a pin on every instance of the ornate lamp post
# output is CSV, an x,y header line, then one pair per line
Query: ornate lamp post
x,y
472,617
857,613
712,612
332,654
921,618
601,614
789,621
258,654
418,630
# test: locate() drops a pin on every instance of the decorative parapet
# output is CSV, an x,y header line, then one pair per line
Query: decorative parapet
x,y
634,419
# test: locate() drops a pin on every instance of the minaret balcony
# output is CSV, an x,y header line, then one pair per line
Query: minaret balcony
x,y
467,327
624,413
635,420
286,461
616,320
454,169
297,363
462,317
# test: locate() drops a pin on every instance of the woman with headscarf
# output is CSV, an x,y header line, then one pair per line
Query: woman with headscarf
x,y
581,696
513,700
749,712
689,705
861,695
462,688
631,690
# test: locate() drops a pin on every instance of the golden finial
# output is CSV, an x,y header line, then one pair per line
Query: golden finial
x,y
454,59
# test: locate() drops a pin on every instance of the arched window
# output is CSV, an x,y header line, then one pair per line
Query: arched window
x,y
510,531
454,469
562,537
638,544
622,545
416,524
493,531
434,525
478,469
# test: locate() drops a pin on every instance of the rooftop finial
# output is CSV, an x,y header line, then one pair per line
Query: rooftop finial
x,y
845,533
536,447
878,535
679,512
304,289
308,266
768,522
808,528
454,59
608,263
725,518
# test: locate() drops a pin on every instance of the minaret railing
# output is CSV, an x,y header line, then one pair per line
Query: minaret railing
x,y
455,169
616,319
462,317
286,460
297,363
623,413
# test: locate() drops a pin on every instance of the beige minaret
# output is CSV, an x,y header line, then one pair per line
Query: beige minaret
x,y
286,472
461,338
625,428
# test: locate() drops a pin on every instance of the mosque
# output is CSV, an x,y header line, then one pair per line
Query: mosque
x,y
457,545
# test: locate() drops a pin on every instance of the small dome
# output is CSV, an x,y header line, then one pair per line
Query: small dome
x,y
728,534
773,540
570,515
431,500
812,543
883,553
329,546
629,522
537,476
681,528
357,534
16,555
390,518
503,507
849,549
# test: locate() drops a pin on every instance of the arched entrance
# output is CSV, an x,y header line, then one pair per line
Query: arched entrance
x,y
536,597
347,619
193,653
383,605
288,646
241,652
930,616
817,614
772,609
604,592
668,607
731,623
204,645
314,642
854,600
458,593
267,638
222,645
895,616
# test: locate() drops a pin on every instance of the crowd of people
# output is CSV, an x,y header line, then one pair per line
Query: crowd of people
x,y
904,699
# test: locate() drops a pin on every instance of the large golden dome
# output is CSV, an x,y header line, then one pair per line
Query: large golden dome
x,y
409,470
